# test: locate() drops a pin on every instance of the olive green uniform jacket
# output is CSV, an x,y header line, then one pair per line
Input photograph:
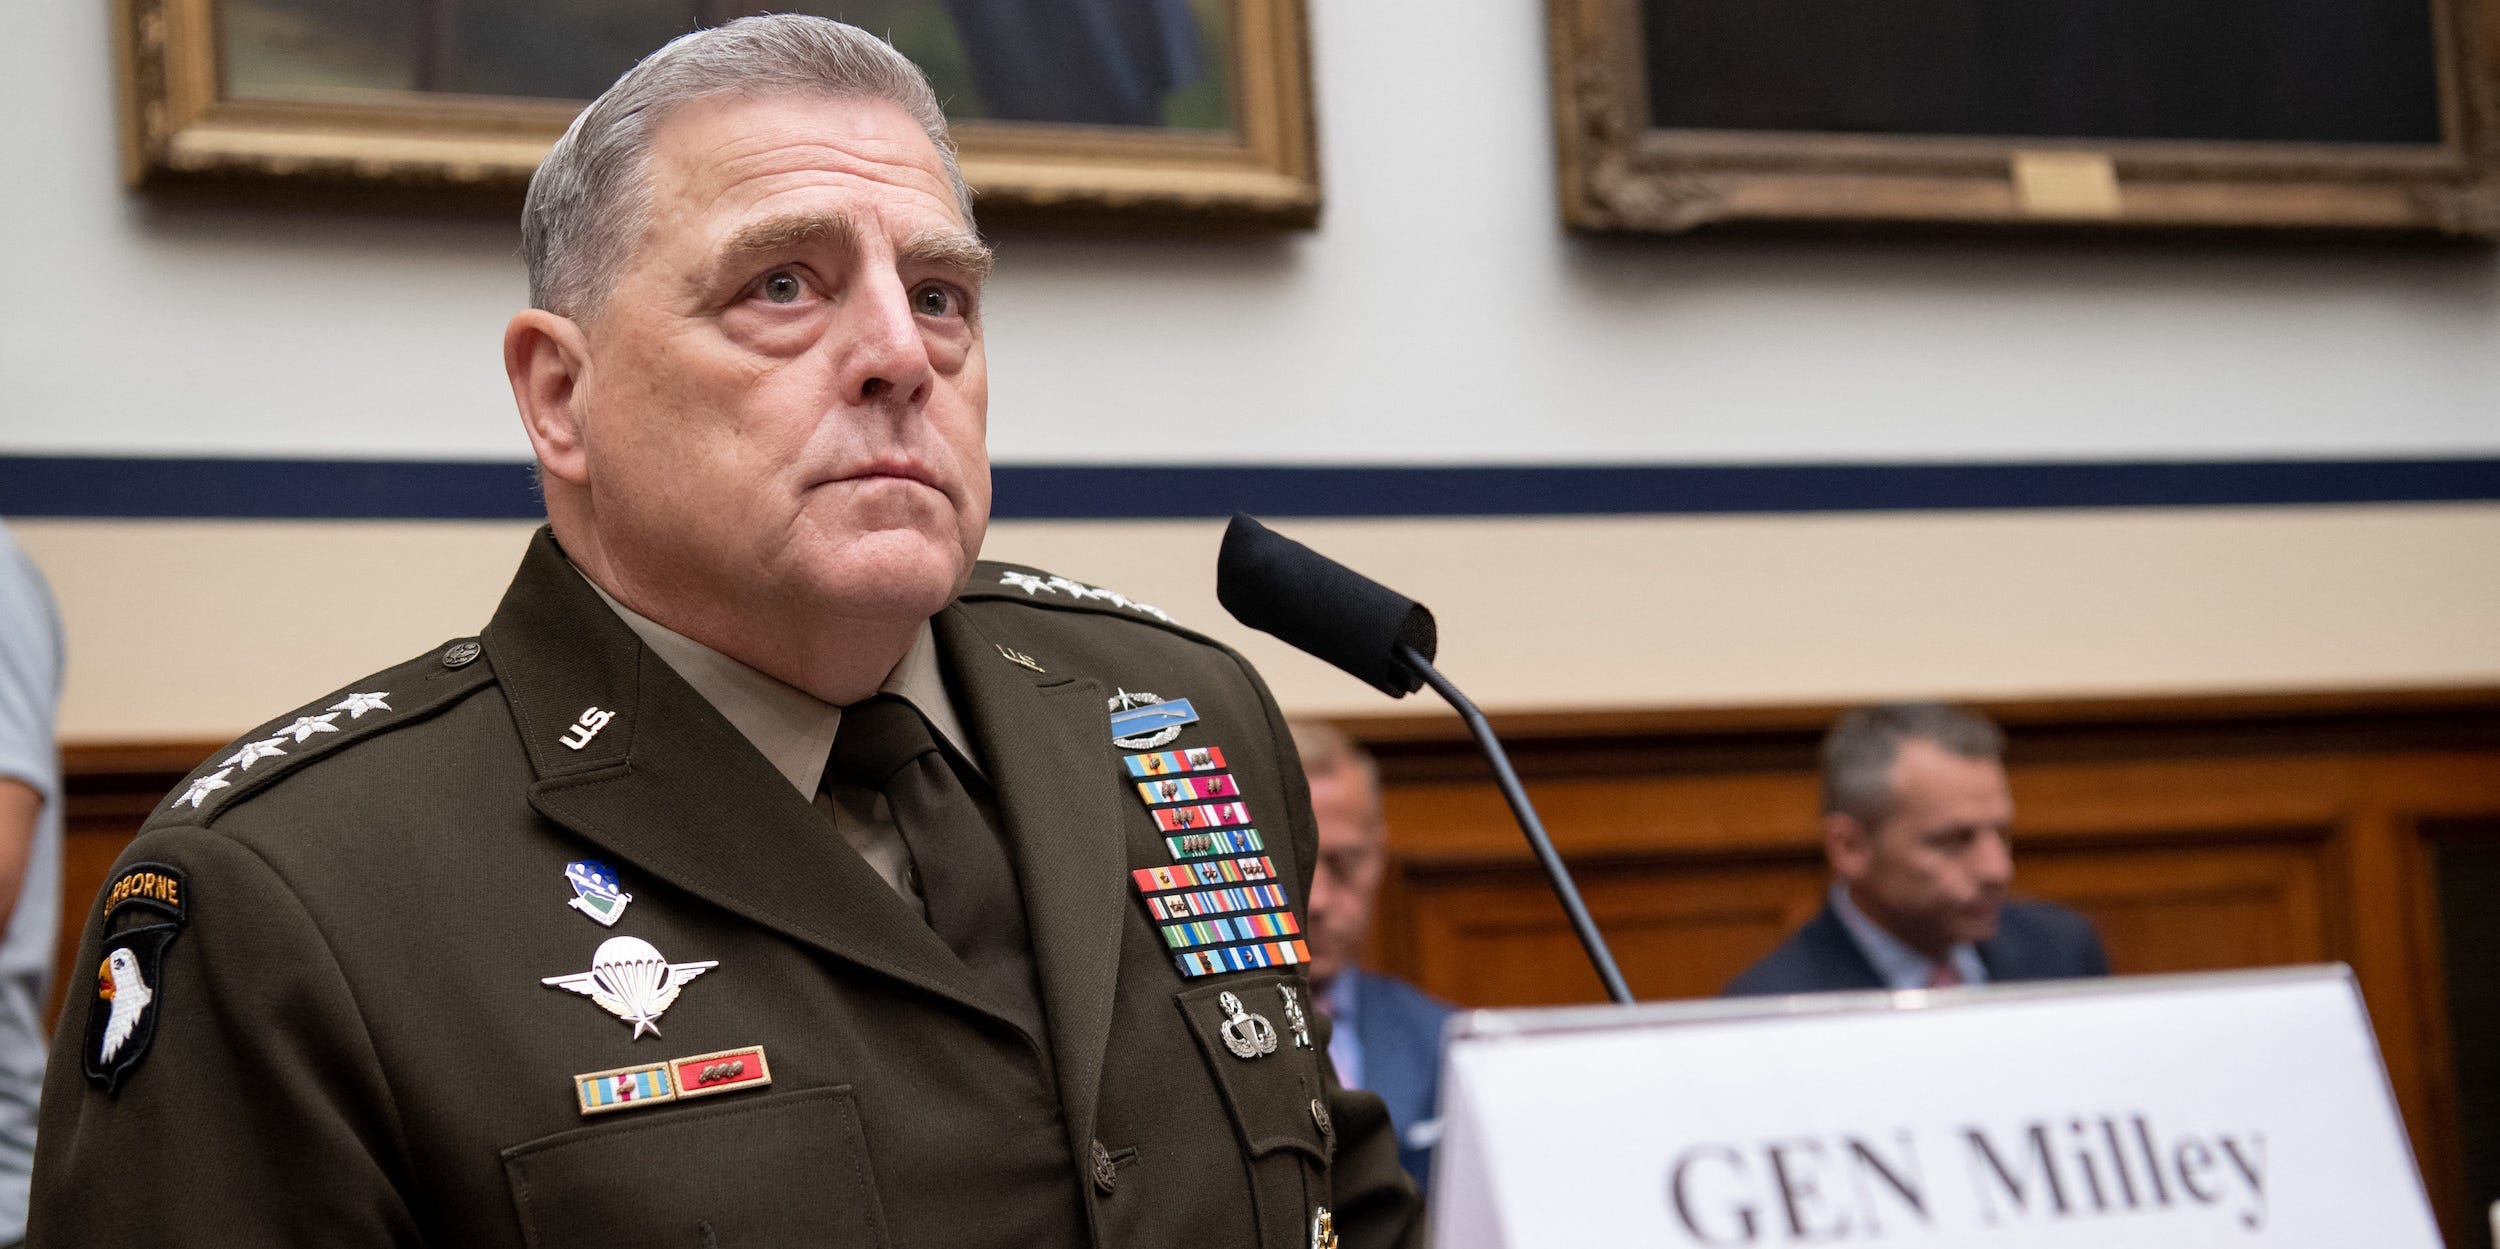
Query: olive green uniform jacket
x,y
347,1042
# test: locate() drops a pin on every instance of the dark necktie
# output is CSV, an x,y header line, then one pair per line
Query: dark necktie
x,y
883,744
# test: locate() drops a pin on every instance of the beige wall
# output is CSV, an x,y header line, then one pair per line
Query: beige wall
x,y
200,629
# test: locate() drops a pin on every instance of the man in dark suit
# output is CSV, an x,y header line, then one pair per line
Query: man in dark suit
x,y
1388,1037
767,871
1916,823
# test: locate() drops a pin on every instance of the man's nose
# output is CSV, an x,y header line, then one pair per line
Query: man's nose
x,y
884,359
1996,859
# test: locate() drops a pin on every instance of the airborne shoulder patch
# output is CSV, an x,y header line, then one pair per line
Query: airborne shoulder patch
x,y
145,908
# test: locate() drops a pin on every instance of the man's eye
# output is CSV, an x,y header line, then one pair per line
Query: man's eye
x,y
934,301
783,288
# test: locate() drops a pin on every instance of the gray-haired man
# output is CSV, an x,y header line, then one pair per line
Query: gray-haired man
x,y
1917,826
767,872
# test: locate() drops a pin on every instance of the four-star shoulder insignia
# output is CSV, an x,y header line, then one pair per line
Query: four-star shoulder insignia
x,y
304,727
1038,583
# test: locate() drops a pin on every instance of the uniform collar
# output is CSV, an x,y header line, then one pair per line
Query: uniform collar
x,y
1900,966
790,727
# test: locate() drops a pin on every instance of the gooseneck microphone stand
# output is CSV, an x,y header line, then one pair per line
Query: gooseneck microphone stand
x,y
1517,796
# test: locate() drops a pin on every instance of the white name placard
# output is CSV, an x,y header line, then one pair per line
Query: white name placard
x,y
2234,1109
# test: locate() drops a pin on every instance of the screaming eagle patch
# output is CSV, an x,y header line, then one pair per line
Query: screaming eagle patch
x,y
144,910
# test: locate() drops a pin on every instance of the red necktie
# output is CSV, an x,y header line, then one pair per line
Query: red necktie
x,y
1945,975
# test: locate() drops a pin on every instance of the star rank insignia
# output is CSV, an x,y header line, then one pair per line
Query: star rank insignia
x,y
202,787
356,705
254,752
305,726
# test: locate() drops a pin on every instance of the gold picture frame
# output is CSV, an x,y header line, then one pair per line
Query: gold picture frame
x,y
1620,171
182,129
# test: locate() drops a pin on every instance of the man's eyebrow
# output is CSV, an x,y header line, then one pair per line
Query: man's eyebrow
x,y
777,234
954,249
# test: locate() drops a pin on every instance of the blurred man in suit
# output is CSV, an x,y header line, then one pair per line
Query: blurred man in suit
x,y
1916,821
1387,1034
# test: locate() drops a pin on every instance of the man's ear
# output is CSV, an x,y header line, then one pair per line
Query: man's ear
x,y
1848,844
547,359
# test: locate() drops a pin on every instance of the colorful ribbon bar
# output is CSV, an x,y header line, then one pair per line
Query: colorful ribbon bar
x,y
1242,957
1173,762
723,1072
1199,875
603,1091
1211,815
1188,788
1216,901
1233,928
1200,845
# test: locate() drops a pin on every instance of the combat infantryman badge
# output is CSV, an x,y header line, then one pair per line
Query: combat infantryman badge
x,y
596,892
1145,721
130,987
1245,1034
629,979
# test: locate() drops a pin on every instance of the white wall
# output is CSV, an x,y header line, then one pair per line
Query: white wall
x,y
1439,314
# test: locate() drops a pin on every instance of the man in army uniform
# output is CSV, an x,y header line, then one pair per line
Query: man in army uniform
x,y
767,871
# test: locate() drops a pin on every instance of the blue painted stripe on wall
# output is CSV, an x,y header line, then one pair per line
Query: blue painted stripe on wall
x,y
120,487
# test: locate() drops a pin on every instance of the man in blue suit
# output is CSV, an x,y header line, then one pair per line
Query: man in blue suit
x,y
1916,819
1387,1033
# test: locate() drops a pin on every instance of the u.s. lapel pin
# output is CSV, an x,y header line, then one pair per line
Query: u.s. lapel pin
x,y
596,891
1245,1034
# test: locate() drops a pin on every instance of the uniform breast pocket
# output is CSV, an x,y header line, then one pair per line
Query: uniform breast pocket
x,y
790,1169
1259,1049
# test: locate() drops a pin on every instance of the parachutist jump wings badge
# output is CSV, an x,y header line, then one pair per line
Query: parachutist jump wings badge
x,y
629,979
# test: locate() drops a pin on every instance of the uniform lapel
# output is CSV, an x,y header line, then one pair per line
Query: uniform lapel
x,y
670,786
1048,754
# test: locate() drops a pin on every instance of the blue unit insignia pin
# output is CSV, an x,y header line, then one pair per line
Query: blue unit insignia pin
x,y
595,891
1145,721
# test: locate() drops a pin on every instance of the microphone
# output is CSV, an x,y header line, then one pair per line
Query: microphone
x,y
1277,585
1387,641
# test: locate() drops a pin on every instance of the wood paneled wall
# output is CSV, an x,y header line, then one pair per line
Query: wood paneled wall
x,y
2198,833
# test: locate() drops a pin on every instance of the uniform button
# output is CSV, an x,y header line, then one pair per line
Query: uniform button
x,y
461,654
1106,1177
1319,1115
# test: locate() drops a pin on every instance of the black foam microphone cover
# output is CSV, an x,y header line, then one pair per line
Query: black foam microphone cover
x,y
1277,585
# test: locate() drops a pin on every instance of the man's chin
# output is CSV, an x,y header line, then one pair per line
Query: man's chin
x,y
1972,930
892,573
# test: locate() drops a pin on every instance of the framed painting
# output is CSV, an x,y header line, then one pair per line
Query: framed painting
x,y
2279,115
1186,109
